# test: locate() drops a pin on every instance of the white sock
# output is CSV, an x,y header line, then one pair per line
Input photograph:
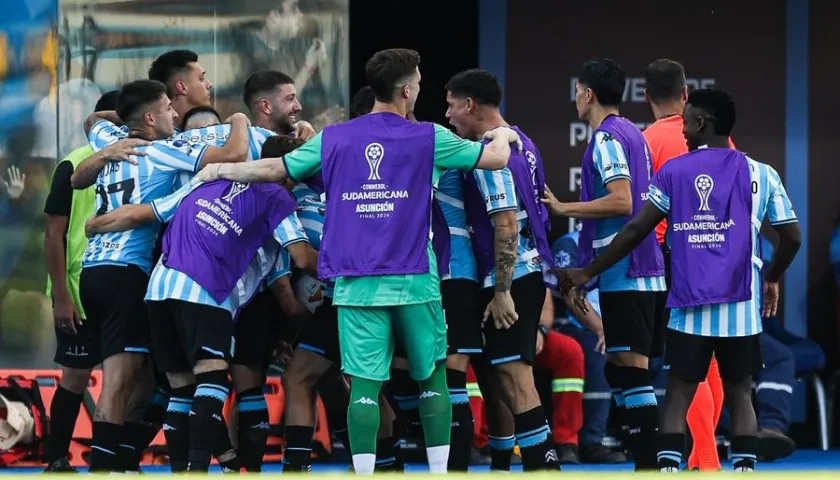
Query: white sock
x,y
364,463
438,458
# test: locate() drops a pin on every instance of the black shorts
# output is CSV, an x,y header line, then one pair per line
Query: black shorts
x,y
629,319
112,297
184,332
518,342
689,355
256,331
463,318
80,350
320,334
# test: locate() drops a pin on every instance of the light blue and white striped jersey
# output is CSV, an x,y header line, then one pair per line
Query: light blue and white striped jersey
x,y
499,194
738,319
311,215
105,133
167,283
610,163
217,135
302,191
121,183
450,196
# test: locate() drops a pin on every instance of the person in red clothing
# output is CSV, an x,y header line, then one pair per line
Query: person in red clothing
x,y
666,92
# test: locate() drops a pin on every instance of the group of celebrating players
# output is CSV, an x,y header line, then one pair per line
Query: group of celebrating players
x,y
401,253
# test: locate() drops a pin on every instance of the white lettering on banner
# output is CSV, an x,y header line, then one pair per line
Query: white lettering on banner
x,y
220,220
634,87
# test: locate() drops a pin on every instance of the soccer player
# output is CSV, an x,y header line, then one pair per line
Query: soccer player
x,y
272,99
666,93
384,286
115,266
615,177
77,341
509,239
186,80
715,199
251,432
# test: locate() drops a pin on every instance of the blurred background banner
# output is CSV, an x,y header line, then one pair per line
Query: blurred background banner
x,y
58,57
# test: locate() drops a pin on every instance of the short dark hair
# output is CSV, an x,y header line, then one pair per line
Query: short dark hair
x,y
108,101
169,64
279,145
480,85
197,111
606,79
136,96
718,104
387,67
263,81
664,80
362,102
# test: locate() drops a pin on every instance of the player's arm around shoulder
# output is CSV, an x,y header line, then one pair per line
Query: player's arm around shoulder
x,y
123,150
120,219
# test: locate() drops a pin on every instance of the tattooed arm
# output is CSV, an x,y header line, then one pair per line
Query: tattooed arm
x,y
505,240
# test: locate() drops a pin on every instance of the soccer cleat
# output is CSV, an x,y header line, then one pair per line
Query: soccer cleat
x,y
62,465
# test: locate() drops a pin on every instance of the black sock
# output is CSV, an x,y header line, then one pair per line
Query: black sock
x,y
211,391
297,457
223,447
744,450
386,458
671,450
252,428
106,442
64,410
501,448
642,416
407,395
613,374
462,422
336,398
532,436
176,427
138,436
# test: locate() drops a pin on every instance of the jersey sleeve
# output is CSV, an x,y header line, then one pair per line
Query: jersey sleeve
x,y
290,231
453,152
497,188
165,207
659,190
60,198
105,133
565,252
281,268
177,154
779,207
257,137
609,158
304,161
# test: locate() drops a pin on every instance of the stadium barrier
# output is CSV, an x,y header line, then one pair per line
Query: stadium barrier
x,y
156,453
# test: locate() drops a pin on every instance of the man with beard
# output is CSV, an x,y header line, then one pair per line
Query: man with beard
x,y
511,248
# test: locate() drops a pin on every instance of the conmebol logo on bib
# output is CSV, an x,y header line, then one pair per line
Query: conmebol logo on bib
x,y
374,153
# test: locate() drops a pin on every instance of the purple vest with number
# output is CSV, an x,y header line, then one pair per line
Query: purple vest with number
x,y
709,227
218,228
377,172
646,259
529,180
